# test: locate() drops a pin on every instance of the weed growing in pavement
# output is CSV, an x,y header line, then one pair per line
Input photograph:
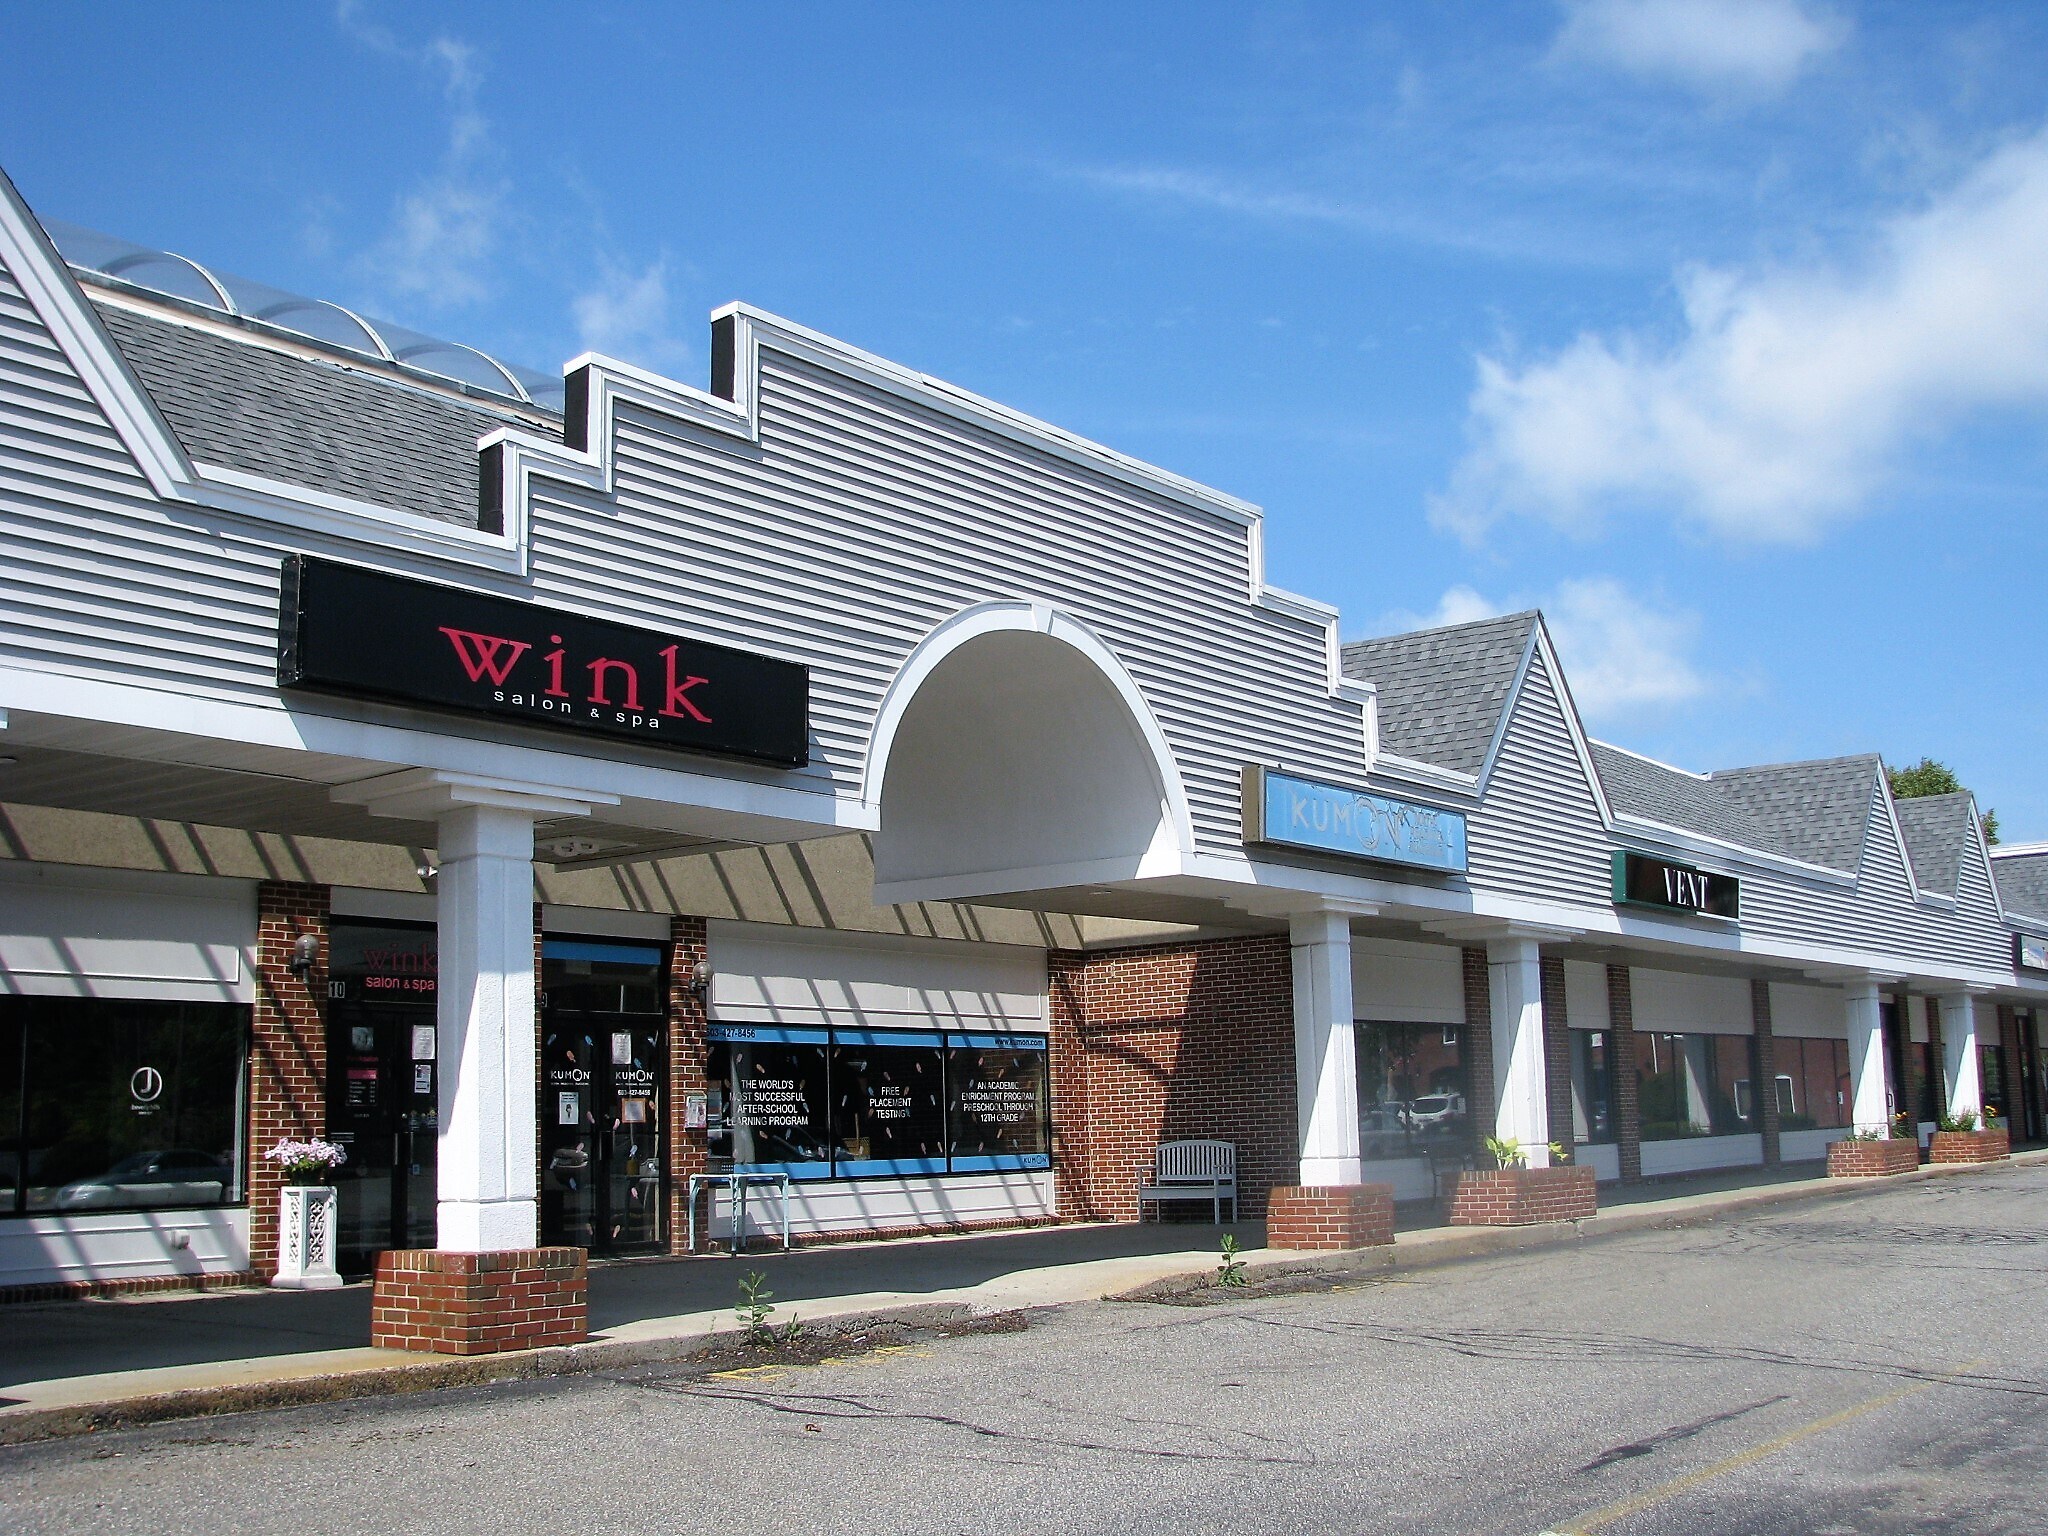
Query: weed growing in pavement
x,y
1231,1270
756,1306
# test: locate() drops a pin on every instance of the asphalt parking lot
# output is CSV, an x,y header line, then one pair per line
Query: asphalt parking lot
x,y
1830,1367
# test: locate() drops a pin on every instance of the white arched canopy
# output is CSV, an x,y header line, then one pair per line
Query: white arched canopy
x,y
1013,753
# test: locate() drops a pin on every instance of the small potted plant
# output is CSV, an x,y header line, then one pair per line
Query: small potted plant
x,y
1512,1194
306,1213
1960,1139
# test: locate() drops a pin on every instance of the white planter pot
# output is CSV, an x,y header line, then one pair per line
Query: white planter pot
x,y
305,1238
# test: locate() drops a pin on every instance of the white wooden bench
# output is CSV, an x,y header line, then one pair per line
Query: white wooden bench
x,y
1192,1170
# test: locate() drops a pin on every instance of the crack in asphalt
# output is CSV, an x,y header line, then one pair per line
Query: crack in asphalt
x,y
1531,1344
1652,1443
825,1405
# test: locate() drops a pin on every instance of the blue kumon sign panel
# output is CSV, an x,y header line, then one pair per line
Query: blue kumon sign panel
x,y
1284,811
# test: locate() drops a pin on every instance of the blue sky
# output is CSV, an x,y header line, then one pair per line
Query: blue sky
x,y
1717,328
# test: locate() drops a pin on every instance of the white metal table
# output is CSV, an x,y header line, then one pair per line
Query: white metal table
x,y
738,1181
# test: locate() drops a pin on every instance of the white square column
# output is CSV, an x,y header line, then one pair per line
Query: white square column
x,y
489,1176
488,1145
1325,1059
1870,1101
1959,1059
1514,978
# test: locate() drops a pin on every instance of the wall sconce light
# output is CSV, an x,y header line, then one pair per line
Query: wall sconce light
x,y
425,871
305,951
699,984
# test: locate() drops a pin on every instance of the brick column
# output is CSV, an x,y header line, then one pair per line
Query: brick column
x,y
1478,1044
688,1014
1938,1050
1767,1112
1621,1069
1074,1196
1557,1053
1910,1073
287,1050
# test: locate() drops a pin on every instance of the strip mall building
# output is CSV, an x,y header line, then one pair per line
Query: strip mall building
x,y
551,788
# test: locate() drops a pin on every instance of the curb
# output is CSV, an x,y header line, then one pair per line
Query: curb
x,y
28,1425
1454,1245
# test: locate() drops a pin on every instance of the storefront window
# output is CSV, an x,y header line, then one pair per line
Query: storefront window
x,y
1813,1084
597,977
997,1115
1411,1089
118,1105
1991,1069
858,1103
1933,1093
768,1099
1688,1085
1593,1117
888,1103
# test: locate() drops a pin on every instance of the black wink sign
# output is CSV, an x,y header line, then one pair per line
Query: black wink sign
x,y
1646,882
345,630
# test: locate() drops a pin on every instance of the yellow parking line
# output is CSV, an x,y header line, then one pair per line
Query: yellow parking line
x,y
1585,1525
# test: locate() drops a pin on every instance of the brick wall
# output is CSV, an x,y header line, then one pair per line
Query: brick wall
x,y
1480,1102
687,949
479,1303
1167,1042
1520,1197
1330,1217
1621,1067
1557,1052
287,1049
1768,1114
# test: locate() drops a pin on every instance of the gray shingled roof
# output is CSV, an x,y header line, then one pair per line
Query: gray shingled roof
x,y
311,423
1813,811
2022,882
1637,787
1936,829
1441,690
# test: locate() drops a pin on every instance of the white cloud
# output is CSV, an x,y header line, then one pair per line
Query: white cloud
x,y
626,315
1621,655
1782,405
444,230
1714,47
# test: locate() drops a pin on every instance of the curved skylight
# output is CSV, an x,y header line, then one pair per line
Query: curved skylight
x,y
182,278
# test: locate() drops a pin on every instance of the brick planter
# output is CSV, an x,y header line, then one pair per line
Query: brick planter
x,y
1521,1197
1872,1159
479,1303
1330,1216
1969,1146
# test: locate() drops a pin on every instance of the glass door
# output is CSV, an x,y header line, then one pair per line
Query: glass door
x,y
603,1150
381,1107
382,1096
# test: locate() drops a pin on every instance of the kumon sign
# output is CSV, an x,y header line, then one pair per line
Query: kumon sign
x,y
345,630
1281,810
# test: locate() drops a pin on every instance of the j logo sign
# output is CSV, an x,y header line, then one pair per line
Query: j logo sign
x,y
145,1085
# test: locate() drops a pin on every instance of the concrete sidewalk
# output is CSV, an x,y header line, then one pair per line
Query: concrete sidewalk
x,y
73,1367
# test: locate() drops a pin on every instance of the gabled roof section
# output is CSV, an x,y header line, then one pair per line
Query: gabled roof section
x,y
2022,878
1817,811
1937,830
1441,691
1642,787
307,421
